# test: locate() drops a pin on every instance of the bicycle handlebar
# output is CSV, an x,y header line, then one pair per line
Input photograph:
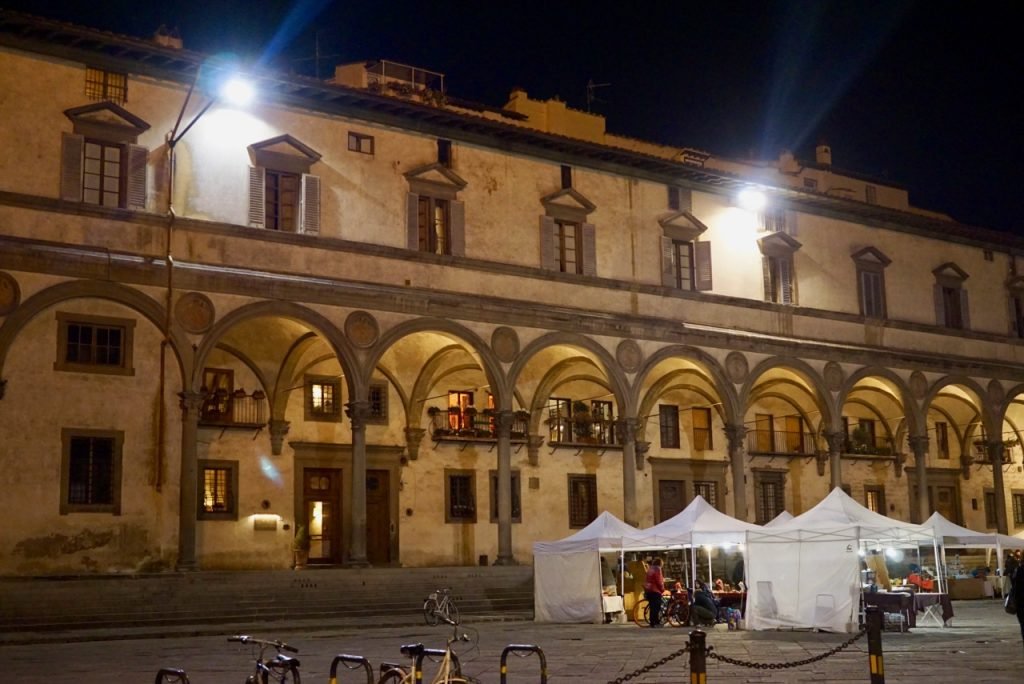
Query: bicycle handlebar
x,y
279,645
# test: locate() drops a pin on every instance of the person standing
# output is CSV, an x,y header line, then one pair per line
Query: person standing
x,y
1018,596
654,587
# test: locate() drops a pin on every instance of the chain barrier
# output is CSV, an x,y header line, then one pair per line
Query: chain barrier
x,y
709,652
647,668
796,663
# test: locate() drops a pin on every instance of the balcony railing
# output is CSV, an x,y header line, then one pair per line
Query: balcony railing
x,y
780,442
235,409
454,423
578,430
879,446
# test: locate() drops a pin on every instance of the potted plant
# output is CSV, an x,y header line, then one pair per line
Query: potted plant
x,y
582,422
439,426
469,421
300,545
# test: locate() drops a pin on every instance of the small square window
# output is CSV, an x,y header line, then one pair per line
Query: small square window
x,y
359,142
566,177
1018,509
218,490
460,496
673,198
106,85
378,398
323,397
444,153
94,344
668,425
810,184
989,256
91,471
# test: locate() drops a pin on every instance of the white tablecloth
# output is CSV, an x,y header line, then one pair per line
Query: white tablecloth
x,y
612,604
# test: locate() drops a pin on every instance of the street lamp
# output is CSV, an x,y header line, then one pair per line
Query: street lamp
x,y
752,199
233,90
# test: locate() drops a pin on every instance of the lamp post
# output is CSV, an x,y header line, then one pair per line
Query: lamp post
x,y
235,90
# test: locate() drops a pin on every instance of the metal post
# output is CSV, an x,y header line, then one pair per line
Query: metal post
x,y
873,618
698,658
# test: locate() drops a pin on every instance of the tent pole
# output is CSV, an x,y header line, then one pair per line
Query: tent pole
x,y
711,578
938,568
944,578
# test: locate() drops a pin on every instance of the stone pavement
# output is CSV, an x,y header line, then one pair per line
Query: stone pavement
x,y
982,646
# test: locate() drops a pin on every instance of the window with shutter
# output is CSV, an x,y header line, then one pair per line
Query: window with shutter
x,y
90,477
283,194
436,217
668,422
101,162
951,310
778,279
460,496
309,205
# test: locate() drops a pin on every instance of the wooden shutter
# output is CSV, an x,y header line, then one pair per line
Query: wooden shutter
x,y
412,222
137,159
309,205
965,312
257,197
1011,301
668,262
589,249
791,220
786,279
72,151
940,306
766,272
702,263
457,227
547,243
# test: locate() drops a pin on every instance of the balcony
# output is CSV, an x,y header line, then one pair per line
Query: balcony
x,y
868,446
582,430
459,425
234,409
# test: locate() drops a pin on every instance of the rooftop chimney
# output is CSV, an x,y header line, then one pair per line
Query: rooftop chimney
x,y
168,38
823,154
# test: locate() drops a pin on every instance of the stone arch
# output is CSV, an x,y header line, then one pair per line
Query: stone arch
x,y
95,289
488,361
616,378
983,408
335,339
911,411
707,363
820,395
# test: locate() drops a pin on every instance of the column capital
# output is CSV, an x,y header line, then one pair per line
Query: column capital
x,y
995,449
278,431
735,434
503,421
836,441
627,429
358,412
533,444
918,444
413,439
191,401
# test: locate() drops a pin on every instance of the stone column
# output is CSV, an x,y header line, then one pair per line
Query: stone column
x,y
503,422
278,431
995,454
358,411
188,496
919,445
735,435
835,440
627,434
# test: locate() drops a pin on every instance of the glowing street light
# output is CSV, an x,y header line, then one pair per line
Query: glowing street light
x,y
752,199
238,91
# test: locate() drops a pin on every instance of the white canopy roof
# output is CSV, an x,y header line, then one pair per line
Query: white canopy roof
x,y
839,517
781,518
953,535
605,532
697,524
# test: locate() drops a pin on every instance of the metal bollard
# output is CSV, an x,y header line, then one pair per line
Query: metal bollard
x,y
351,662
171,676
873,618
524,650
698,658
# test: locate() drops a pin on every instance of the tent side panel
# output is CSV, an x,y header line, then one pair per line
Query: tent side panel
x,y
567,587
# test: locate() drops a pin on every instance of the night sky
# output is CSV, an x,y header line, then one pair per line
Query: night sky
x,y
924,94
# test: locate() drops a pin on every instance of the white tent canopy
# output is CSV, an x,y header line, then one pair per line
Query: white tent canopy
x,y
814,581
567,573
698,524
781,518
952,535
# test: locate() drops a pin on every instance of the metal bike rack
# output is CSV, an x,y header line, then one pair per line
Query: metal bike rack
x,y
171,675
523,650
351,662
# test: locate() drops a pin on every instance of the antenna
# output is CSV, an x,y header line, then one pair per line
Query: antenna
x,y
317,56
591,98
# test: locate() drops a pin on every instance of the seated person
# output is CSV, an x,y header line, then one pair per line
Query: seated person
x,y
705,610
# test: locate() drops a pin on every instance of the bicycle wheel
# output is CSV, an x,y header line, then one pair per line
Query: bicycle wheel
x,y
678,613
430,612
277,673
640,612
395,676
451,611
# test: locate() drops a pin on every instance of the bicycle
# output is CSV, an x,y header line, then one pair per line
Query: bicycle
x,y
449,669
675,610
280,669
440,606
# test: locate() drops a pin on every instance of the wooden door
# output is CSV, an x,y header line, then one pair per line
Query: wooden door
x,y
671,498
378,517
944,500
765,431
321,501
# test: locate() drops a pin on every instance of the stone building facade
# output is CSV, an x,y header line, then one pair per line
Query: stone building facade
x,y
428,332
